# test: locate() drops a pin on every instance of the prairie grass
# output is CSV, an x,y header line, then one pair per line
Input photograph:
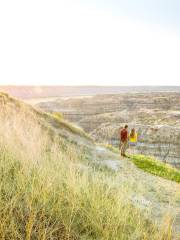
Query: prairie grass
x,y
61,122
153,166
44,196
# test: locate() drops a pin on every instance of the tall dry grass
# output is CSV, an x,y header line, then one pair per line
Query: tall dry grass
x,y
44,196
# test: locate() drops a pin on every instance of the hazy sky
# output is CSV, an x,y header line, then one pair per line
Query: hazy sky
x,y
90,42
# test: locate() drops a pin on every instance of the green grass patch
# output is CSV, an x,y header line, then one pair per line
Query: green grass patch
x,y
153,166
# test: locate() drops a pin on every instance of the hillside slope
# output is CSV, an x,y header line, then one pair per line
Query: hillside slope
x,y
57,184
12,108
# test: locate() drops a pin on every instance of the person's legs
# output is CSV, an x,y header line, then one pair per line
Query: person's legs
x,y
123,147
132,147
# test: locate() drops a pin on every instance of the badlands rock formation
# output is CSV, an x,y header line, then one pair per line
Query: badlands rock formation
x,y
156,116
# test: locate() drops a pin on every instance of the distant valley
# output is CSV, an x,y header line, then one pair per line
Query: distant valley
x,y
156,116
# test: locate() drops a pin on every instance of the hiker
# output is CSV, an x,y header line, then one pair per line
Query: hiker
x,y
124,140
133,138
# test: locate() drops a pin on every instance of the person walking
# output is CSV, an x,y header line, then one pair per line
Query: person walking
x,y
133,137
124,140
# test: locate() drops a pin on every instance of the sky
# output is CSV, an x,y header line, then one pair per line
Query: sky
x,y
90,42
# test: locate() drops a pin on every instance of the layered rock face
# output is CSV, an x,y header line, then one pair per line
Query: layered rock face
x,y
156,117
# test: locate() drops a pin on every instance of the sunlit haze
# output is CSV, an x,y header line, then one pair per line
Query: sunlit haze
x,y
82,43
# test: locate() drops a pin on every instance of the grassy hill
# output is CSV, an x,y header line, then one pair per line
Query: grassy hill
x,y
54,185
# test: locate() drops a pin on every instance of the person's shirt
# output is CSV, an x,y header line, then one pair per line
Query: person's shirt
x,y
124,135
133,139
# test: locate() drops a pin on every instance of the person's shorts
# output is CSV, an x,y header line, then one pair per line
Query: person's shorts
x,y
132,144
